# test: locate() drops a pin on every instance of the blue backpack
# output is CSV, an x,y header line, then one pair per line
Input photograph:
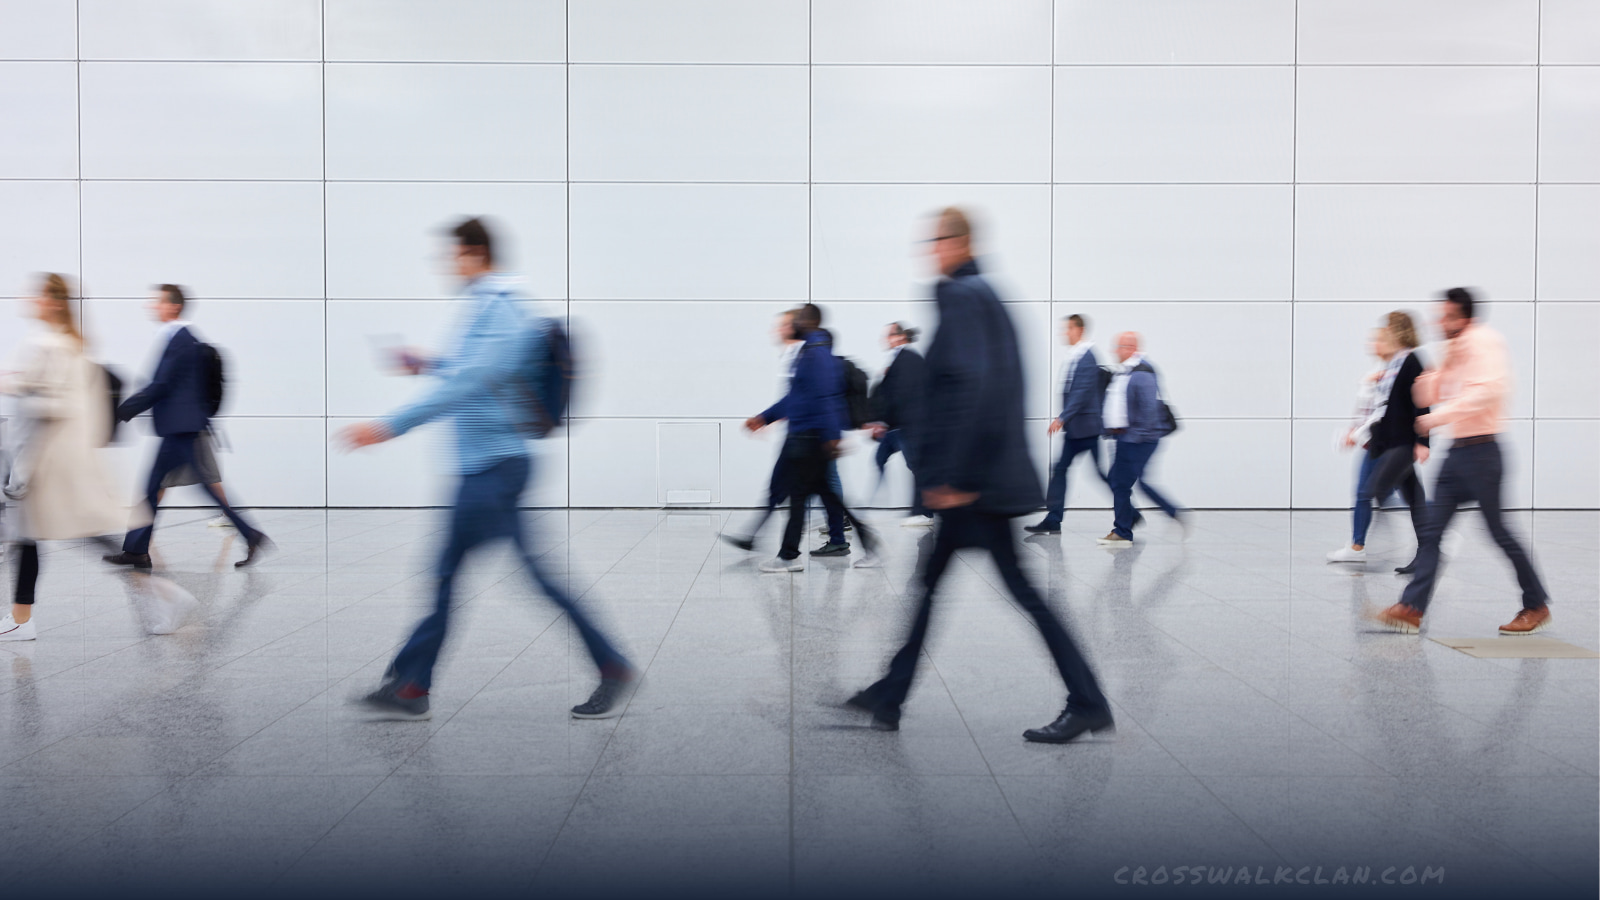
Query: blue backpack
x,y
542,386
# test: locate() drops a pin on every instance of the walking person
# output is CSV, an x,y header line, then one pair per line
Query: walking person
x,y
492,463
181,406
1387,433
896,410
58,479
815,410
788,338
975,465
1137,418
1468,391
1082,396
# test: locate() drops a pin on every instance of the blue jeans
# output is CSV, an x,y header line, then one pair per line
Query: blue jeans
x,y
1127,469
175,452
1056,494
1386,474
486,510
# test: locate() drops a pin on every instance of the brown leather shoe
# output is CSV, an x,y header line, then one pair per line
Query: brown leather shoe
x,y
1401,618
1528,621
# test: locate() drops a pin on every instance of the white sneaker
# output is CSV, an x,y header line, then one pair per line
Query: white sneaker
x,y
868,560
779,564
1347,554
917,522
220,522
11,631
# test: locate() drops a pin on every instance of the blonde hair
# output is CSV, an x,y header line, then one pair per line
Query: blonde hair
x,y
1402,329
57,294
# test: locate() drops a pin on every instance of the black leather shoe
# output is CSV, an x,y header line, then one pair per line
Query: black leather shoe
x,y
124,558
831,549
261,547
1043,528
882,719
1070,724
1406,569
743,543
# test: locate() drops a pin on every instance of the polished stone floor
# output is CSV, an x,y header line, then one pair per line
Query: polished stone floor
x,y
1264,730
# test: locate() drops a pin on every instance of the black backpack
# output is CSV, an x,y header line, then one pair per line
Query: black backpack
x,y
213,377
1169,421
544,380
856,396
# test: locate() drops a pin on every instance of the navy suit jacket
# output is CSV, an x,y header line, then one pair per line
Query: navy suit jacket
x,y
1081,399
897,398
972,435
176,394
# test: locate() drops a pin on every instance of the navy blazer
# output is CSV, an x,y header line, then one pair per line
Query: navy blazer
x,y
1081,399
176,394
972,435
897,397
815,402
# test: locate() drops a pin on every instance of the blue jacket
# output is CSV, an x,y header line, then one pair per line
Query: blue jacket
x,y
176,395
815,402
972,436
1146,424
1081,399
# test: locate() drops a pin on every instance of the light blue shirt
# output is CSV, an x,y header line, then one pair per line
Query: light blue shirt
x,y
487,353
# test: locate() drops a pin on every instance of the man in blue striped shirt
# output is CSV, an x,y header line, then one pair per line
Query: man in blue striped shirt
x,y
493,464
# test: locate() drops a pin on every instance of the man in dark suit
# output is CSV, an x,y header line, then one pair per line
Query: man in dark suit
x,y
974,461
181,407
1081,398
896,408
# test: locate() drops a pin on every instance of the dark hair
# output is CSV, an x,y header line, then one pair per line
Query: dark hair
x,y
808,318
1078,320
173,294
474,234
1463,300
910,334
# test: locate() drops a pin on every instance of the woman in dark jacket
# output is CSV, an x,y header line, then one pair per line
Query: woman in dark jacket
x,y
1392,444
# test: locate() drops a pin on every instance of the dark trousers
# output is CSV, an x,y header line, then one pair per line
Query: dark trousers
x,y
1055,496
894,442
809,463
777,492
1382,475
1469,473
957,529
27,573
486,510
176,451
1127,469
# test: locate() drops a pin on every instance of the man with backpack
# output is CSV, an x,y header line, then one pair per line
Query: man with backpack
x,y
1137,418
1083,392
499,384
183,395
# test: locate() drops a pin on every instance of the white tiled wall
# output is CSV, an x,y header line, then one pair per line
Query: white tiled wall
x,y
1250,183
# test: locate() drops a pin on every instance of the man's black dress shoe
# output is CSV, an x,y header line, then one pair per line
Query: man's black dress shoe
x,y
1406,569
1042,528
882,719
1070,724
124,558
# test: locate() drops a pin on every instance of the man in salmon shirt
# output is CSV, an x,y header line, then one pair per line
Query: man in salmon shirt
x,y
1468,391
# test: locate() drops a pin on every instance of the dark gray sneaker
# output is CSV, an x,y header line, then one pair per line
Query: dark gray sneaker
x,y
610,698
832,549
385,704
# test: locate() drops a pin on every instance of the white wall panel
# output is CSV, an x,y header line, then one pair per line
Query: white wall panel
x,y
1569,232
1174,123
39,29
202,120
689,123
1568,360
658,241
1173,242
866,240
39,130
726,31
930,31
1567,464
1214,359
224,239
360,381
446,122
458,31
1224,464
274,462
200,29
1407,242
1175,31
1324,474
40,233
893,124
614,462
390,241
1569,123
1419,31
1570,31
1433,124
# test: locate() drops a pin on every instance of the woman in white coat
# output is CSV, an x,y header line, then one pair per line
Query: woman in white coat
x,y
62,489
